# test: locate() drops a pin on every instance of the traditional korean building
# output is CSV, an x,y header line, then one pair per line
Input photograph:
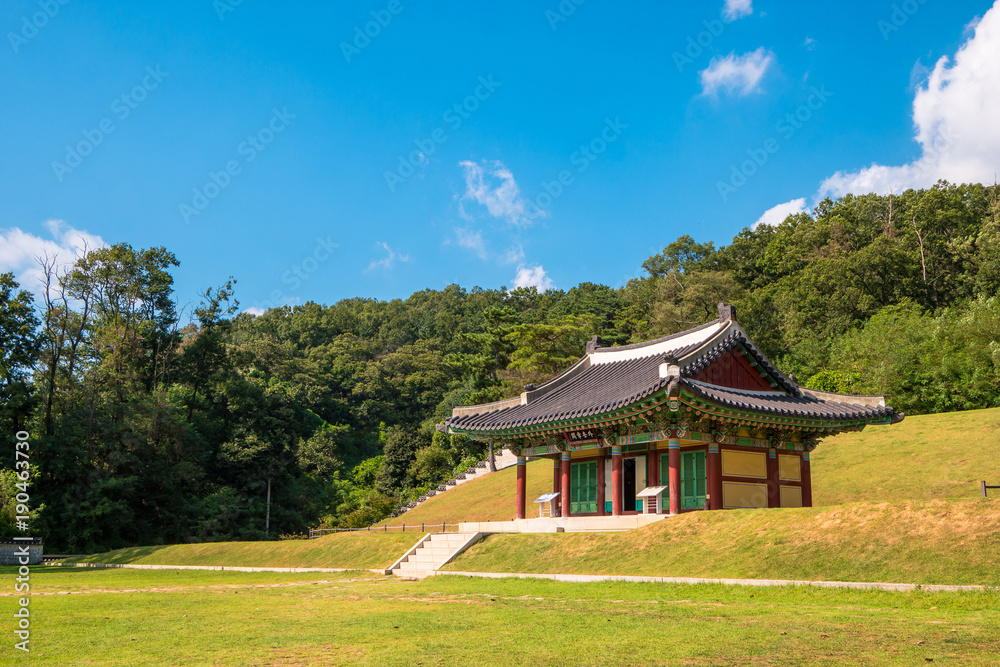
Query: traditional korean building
x,y
695,420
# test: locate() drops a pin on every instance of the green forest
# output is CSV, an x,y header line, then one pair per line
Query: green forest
x,y
151,426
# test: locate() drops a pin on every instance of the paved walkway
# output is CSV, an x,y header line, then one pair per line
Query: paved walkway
x,y
228,568
584,578
576,578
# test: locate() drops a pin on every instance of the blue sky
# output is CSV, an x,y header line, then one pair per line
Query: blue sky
x,y
379,148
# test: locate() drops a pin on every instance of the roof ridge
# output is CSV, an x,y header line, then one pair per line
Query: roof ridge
x,y
655,341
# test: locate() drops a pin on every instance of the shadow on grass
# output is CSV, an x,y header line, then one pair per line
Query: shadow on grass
x,y
128,555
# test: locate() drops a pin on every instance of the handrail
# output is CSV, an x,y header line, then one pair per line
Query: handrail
x,y
414,528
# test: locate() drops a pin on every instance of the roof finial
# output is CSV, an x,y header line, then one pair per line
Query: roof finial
x,y
726,312
670,367
593,344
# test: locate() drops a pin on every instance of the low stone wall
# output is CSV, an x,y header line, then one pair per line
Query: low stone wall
x,y
578,524
11,553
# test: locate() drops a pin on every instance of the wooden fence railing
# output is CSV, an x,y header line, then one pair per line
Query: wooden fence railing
x,y
413,528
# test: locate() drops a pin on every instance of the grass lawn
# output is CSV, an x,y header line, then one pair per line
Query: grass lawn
x,y
156,618
359,550
921,542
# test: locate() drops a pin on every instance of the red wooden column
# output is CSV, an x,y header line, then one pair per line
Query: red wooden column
x,y
565,483
714,466
556,487
522,485
652,466
807,487
773,495
616,480
600,484
674,461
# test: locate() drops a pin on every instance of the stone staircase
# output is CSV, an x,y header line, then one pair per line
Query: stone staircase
x,y
431,552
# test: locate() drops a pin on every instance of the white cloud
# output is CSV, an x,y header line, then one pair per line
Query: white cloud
x,y
493,186
255,311
954,116
736,74
20,251
471,239
775,215
513,255
735,9
387,262
533,276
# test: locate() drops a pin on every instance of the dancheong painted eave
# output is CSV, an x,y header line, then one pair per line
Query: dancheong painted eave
x,y
617,386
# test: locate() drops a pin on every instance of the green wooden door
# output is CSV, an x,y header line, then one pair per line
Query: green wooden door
x,y
583,488
693,480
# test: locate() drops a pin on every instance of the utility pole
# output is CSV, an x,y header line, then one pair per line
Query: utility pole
x,y
267,517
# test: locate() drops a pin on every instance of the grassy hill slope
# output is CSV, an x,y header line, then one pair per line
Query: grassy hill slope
x,y
340,550
924,457
938,541
489,498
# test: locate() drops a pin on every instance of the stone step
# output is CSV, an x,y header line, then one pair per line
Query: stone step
x,y
430,559
442,552
444,542
411,573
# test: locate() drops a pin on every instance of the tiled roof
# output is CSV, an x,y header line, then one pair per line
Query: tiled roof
x,y
595,390
611,378
785,405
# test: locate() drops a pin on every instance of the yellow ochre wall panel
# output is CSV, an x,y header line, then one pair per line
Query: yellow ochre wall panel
x,y
789,468
738,494
744,464
791,496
